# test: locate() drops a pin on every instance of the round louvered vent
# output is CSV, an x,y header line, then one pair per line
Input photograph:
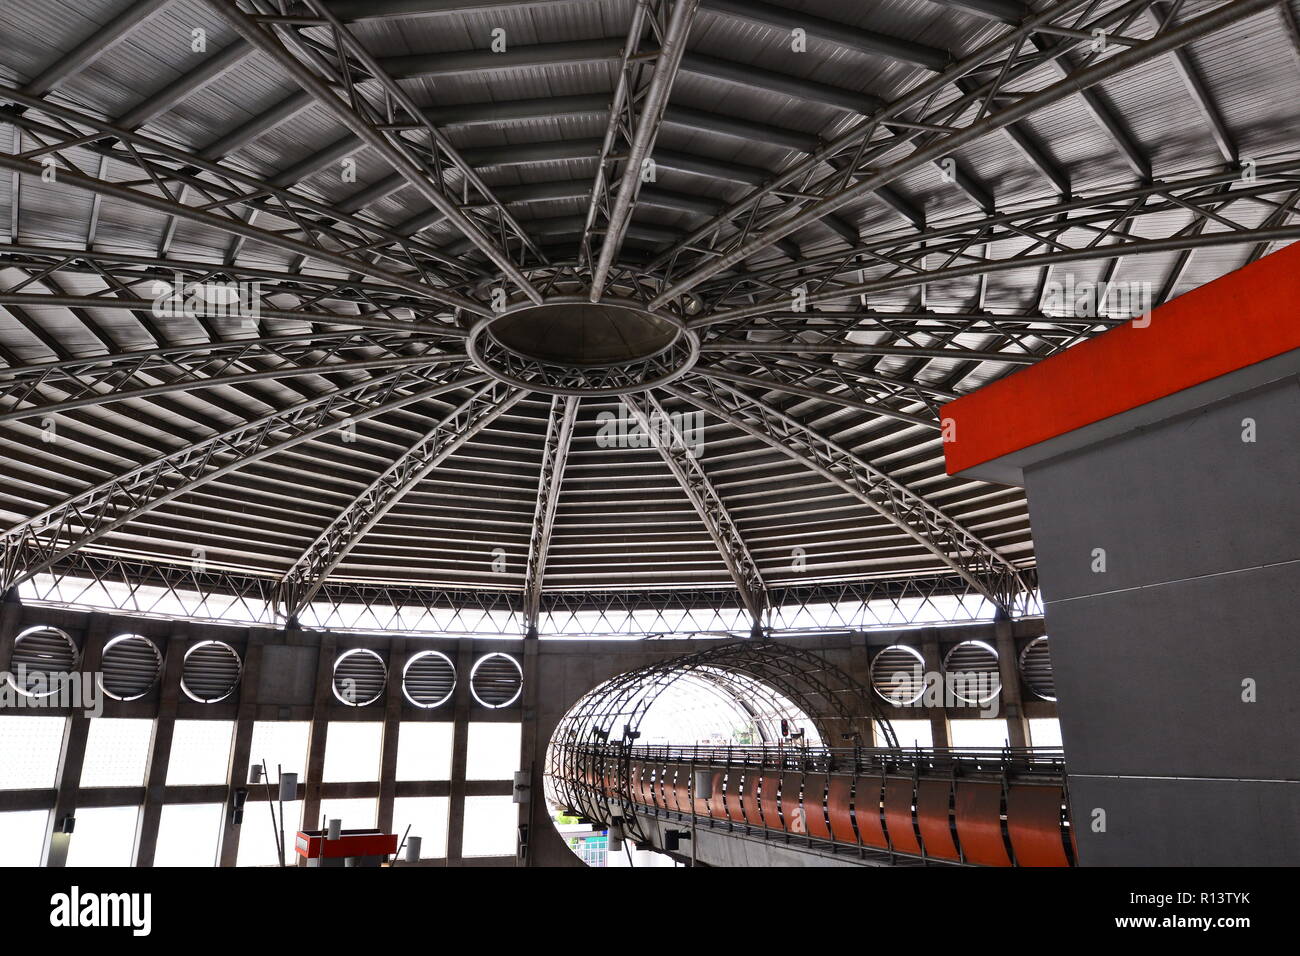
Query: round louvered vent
x,y
130,666
496,680
898,674
211,671
971,668
42,657
429,679
1036,666
359,677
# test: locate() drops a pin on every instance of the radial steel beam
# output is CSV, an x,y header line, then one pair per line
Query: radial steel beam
x,y
1078,230
307,575
334,77
955,546
101,40
315,229
792,382
35,544
131,375
689,472
835,192
555,455
640,98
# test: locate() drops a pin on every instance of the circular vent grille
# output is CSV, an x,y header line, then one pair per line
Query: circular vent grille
x,y
1036,666
496,680
130,667
898,674
359,677
972,669
42,656
211,671
429,679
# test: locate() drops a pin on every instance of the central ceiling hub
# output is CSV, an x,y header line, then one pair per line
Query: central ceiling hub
x,y
572,346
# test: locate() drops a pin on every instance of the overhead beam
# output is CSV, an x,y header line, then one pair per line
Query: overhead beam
x,y
686,467
37,543
550,476
833,194
309,573
640,99
373,124
952,544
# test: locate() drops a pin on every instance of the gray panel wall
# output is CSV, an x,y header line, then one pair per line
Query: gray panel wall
x,y
1201,592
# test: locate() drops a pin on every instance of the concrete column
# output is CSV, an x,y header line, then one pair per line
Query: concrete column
x,y
1009,668
241,744
462,704
322,701
397,656
73,753
160,748
532,748
938,717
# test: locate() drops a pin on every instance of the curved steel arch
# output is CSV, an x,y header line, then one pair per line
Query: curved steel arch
x,y
839,707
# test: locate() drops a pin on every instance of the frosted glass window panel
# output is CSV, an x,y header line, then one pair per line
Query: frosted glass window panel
x,y
200,752
910,733
424,750
104,836
357,813
29,751
117,753
427,818
984,734
281,742
257,832
22,837
189,834
1044,732
492,751
352,750
490,826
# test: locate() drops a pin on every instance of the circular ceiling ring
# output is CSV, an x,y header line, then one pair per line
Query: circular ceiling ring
x,y
571,346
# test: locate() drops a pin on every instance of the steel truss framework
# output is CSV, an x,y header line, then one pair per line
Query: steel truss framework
x,y
763,677
805,329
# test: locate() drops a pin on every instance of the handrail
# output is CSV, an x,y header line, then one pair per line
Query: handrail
x,y
942,761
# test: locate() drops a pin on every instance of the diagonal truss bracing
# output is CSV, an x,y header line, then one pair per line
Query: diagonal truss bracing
x,y
35,544
640,97
555,455
327,552
688,471
979,563
326,60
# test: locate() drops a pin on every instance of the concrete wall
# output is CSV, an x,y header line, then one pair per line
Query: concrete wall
x,y
1199,600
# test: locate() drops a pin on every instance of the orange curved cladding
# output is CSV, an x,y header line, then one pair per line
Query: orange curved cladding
x,y
979,822
735,810
932,818
713,806
866,811
814,788
681,788
1183,346
898,815
753,812
770,801
838,798
1034,823
792,811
